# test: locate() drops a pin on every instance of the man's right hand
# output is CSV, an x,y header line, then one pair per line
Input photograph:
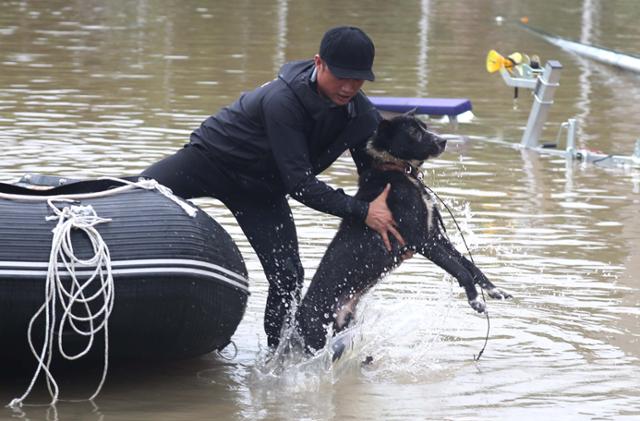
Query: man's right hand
x,y
380,219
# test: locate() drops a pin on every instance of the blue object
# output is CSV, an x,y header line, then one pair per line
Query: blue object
x,y
432,106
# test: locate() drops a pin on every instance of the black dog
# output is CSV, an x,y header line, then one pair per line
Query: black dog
x,y
357,259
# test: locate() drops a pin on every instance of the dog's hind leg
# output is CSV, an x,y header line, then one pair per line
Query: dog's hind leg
x,y
346,309
312,318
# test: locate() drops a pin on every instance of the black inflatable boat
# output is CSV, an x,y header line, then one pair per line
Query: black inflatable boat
x,y
179,283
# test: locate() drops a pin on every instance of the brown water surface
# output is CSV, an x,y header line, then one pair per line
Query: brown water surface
x,y
93,88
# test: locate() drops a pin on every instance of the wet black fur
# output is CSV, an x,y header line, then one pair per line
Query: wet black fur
x,y
357,259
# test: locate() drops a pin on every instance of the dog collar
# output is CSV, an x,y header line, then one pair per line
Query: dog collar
x,y
414,172
406,168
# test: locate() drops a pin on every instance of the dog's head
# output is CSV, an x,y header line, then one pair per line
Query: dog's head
x,y
405,139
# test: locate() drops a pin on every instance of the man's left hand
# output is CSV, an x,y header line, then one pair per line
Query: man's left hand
x,y
380,219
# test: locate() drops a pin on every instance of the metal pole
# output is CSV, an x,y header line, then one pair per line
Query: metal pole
x,y
542,101
571,137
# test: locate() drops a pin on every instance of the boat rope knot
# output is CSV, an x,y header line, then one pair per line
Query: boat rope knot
x,y
82,288
142,183
151,184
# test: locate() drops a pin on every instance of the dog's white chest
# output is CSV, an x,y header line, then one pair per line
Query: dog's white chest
x,y
428,201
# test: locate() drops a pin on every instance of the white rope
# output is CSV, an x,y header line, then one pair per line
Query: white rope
x,y
83,218
235,352
142,183
151,184
80,218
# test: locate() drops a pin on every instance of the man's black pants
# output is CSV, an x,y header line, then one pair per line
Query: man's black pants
x,y
266,221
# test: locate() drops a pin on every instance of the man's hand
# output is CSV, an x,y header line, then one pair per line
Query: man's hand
x,y
380,219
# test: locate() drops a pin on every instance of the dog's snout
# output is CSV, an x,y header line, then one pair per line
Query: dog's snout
x,y
438,141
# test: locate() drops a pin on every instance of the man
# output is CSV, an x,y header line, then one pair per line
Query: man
x,y
272,142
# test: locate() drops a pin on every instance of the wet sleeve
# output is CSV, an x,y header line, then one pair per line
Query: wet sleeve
x,y
284,123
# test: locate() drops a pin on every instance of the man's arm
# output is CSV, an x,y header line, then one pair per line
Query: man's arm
x,y
284,121
285,129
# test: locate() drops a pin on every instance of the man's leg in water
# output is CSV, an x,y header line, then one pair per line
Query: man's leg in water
x,y
268,225
266,221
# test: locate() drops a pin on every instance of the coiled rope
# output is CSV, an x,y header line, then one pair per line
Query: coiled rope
x,y
83,294
78,293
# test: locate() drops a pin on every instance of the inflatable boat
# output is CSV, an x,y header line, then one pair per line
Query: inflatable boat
x,y
160,277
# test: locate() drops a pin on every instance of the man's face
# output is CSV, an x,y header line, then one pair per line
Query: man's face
x,y
339,91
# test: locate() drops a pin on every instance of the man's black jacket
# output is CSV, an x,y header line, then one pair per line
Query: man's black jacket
x,y
278,137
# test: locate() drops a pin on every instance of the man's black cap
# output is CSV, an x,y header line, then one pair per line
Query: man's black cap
x,y
349,53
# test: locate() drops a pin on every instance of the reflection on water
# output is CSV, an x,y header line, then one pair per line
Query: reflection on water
x,y
93,88
589,12
423,46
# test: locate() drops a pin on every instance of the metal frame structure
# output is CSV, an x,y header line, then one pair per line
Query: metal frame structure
x,y
544,83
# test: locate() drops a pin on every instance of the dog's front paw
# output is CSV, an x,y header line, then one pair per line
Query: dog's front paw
x,y
477,305
499,294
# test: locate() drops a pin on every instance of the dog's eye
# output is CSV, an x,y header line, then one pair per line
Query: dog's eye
x,y
415,131
418,130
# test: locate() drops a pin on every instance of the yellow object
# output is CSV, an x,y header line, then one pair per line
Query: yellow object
x,y
495,61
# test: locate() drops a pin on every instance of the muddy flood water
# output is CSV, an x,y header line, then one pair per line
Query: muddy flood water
x,y
92,88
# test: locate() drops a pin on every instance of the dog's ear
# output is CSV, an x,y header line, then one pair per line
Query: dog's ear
x,y
383,128
384,125
411,113
382,134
